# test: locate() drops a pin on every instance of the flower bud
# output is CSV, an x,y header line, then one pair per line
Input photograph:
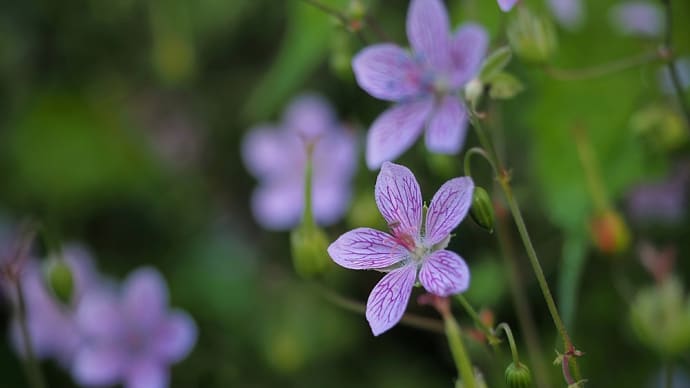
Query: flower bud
x,y
60,280
610,233
473,91
482,210
308,245
518,376
532,36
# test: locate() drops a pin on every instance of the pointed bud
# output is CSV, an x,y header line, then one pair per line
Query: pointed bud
x,y
532,36
518,376
59,278
610,233
482,210
308,245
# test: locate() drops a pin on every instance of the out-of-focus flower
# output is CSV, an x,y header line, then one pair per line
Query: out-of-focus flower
x,y
412,251
683,66
53,332
130,337
507,5
638,18
569,13
425,84
277,156
663,201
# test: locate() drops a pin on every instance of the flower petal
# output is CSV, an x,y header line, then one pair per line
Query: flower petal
x,y
388,300
102,366
145,297
388,72
175,337
568,13
399,200
147,374
506,5
428,30
638,18
447,127
444,273
309,115
467,51
448,207
365,248
99,314
395,130
330,200
278,205
268,152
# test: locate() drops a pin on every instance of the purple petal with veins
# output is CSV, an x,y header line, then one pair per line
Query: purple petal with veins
x,y
468,48
447,127
444,273
388,72
448,207
399,200
428,31
388,300
365,248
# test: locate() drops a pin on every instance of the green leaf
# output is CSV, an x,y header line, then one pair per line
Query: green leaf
x,y
505,86
495,63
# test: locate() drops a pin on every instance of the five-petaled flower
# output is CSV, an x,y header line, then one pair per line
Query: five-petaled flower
x,y
413,251
131,337
277,156
424,84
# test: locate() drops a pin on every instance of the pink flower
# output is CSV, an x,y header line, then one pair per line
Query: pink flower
x,y
412,251
424,84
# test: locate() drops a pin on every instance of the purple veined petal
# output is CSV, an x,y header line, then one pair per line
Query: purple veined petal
x,y
638,18
175,337
447,127
366,248
147,374
448,207
99,366
399,200
145,298
388,300
268,152
468,49
278,205
330,200
309,115
444,273
395,130
568,13
99,314
388,72
506,5
428,30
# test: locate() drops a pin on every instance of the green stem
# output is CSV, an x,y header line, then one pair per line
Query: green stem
x,y
308,214
462,360
511,341
493,341
33,370
671,63
503,178
602,69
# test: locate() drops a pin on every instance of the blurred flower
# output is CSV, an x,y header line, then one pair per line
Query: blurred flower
x,y
569,13
277,157
410,252
683,66
54,334
506,5
663,201
658,262
131,337
424,84
638,18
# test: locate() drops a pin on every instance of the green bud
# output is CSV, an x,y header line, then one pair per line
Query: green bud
x,y
660,125
505,86
482,210
494,64
59,279
518,376
532,36
473,91
309,256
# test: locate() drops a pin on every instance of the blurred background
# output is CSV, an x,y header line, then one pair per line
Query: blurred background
x,y
120,129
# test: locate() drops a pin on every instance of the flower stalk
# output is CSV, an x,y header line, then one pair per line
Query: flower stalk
x,y
454,336
32,368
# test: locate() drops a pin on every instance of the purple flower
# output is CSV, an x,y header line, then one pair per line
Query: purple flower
x,y
54,333
131,337
277,156
507,5
638,18
412,251
663,201
568,13
424,84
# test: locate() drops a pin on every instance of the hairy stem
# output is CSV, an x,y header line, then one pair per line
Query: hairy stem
x,y
33,370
